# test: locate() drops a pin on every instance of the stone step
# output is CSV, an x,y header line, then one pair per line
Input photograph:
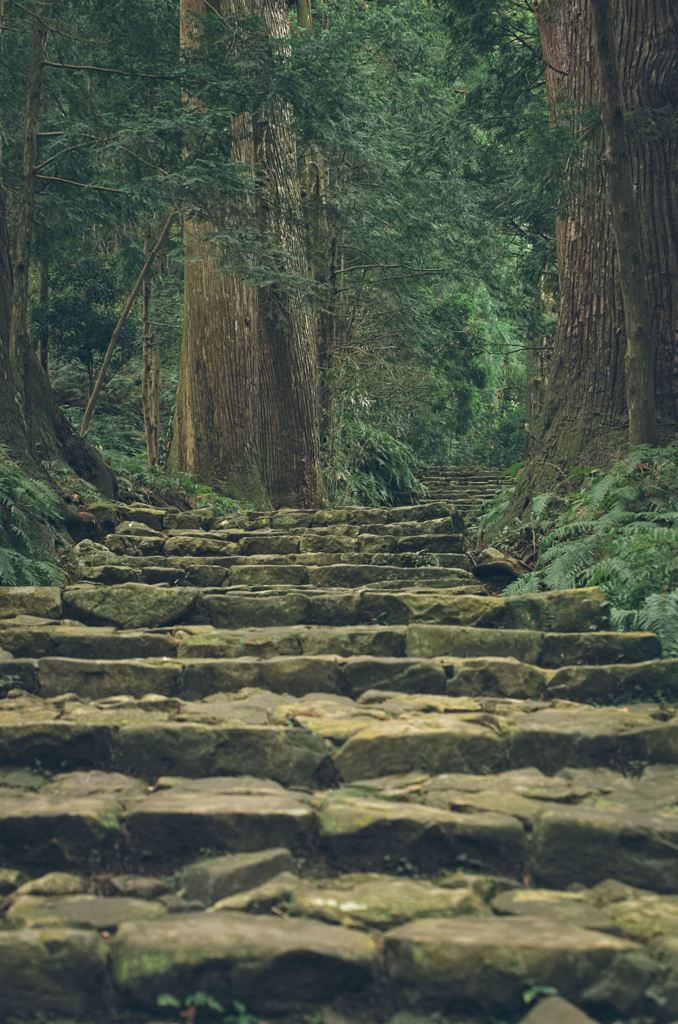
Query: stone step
x,y
356,516
459,964
302,675
314,535
136,606
419,640
281,544
323,738
213,571
578,826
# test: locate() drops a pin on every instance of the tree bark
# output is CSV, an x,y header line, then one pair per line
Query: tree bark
x,y
43,338
639,357
217,432
18,336
32,427
290,384
304,14
586,419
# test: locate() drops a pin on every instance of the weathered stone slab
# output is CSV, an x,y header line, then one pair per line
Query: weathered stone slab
x,y
82,911
361,833
223,815
216,878
98,679
489,964
549,650
68,822
258,961
608,842
53,971
296,676
44,602
133,605
433,744
75,641
380,901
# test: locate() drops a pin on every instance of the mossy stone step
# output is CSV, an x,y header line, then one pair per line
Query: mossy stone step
x,y
144,605
301,675
45,638
272,543
581,826
324,738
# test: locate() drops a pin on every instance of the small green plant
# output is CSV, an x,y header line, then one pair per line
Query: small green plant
x,y
618,531
29,511
201,1007
535,992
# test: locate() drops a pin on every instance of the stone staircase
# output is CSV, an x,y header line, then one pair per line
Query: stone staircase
x,y
301,762
467,486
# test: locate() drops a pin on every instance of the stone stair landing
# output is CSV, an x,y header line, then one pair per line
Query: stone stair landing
x,y
303,761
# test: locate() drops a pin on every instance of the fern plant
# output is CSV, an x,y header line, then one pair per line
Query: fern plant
x,y
28,513
618,531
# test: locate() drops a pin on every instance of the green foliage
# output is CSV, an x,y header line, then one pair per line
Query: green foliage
x,y
28,514
618,531
370,466
205,1008
82,310
139,482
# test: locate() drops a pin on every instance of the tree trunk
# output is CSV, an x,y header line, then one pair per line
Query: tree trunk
x,y
304,14
290,386
43,338
18,335
32,427
639,359
586,419
217,417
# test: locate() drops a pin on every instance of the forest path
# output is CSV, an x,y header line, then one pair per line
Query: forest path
x,y
303,761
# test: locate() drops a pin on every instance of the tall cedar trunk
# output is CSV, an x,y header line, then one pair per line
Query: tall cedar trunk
x,y
217,418
43,337
18,333
32,427
639,358
290,387
322,253
586,419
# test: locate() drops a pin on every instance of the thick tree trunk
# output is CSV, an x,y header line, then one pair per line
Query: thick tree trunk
x,y
18,335
43,339
586,417
290,385
639,359
32,427
217,417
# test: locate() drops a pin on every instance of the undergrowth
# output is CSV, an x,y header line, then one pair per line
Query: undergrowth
x,y
29,512
371,467
618,530
137,481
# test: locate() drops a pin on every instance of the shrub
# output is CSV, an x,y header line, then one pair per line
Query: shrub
x,y
618,531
